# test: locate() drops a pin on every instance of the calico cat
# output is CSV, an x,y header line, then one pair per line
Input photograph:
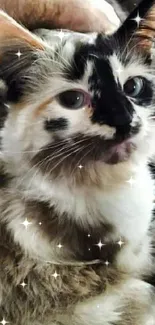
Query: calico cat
x,y
76,193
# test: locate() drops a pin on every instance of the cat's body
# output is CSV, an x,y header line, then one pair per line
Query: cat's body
x,y
76,192
109,292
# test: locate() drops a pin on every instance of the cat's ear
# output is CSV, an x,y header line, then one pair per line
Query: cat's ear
x,y
18,48
11,31
139,27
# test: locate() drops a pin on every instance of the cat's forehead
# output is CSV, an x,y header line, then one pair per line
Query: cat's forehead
x,y
98,58
93,53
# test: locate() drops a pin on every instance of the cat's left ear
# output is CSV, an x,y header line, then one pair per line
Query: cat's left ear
x,y
11,31
139,27
18,51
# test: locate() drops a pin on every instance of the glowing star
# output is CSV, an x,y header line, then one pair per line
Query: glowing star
x,y
89,249
23,284
100,244
80,166
120,243
26,223
55,275
61,35
59,246
88,235
3,322
131,181
40,223
138,19
98,306
119,70
106,263
19,54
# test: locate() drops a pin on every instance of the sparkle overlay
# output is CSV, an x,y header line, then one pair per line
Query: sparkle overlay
x,y
131,181
120,243
61,35
19,54
80,166
3,322
55,275
107,263
23,284
119,70
138,19
100,244
59,246
26,223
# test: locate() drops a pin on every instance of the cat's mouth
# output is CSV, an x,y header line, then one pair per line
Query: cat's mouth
x,y
118,152
81,151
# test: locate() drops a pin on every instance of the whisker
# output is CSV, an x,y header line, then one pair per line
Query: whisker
x,y
84,147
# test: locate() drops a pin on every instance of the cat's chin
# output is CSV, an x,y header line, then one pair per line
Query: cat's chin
x,y
119,153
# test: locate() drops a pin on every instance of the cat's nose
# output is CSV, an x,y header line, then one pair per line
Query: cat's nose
x,y
125,118
127,130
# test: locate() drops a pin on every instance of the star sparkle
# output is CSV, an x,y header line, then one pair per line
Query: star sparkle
x,y
138,19
107,263
3,322
119,70
19,54
100,244
26,223
59,246
23,284
40,223
120,243
55,275
61,35
88,235
80,166
131,181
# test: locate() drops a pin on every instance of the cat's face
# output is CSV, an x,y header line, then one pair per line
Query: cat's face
x,y
79,102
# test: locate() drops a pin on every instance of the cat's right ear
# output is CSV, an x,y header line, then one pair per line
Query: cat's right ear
x,y
139,28
18,51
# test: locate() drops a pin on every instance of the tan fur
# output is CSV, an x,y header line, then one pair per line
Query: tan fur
x,y
146,32
16,32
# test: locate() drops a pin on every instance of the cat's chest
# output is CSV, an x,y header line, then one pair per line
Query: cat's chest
x,y
124,207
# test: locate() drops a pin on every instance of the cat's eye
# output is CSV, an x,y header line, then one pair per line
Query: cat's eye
x,y
134,87
73,99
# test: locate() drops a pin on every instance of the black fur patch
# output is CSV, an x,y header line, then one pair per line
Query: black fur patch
x,y
4,178
56,124
3,114
152,168
115,110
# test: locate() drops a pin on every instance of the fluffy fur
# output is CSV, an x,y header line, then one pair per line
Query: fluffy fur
x,y
79,177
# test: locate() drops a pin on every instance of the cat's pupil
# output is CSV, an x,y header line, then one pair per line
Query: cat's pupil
x,y
134,87
72,99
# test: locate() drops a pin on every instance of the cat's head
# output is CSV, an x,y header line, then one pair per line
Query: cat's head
x,y
79,104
